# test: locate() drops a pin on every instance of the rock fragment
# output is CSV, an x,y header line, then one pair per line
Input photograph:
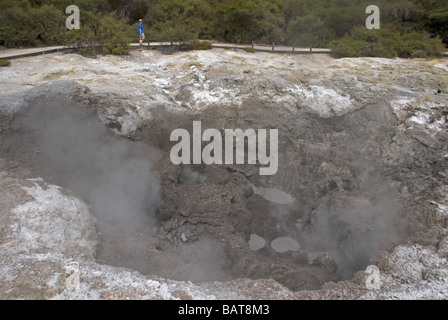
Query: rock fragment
x,y
285,244
256,242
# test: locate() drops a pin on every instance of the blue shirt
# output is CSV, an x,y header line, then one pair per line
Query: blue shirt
x,y
140,28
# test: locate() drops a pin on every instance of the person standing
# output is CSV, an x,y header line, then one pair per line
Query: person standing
x,y
141,33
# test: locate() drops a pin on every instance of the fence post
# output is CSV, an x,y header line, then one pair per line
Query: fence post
x,y
273,45
293,48
253,46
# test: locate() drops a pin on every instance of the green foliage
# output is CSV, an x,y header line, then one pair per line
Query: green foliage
x,y
88,33
438,22
89,52
340,19
111,36
387,42
402,11
112,24
176,32
202,45
181,20
249,49
240,21
49,23
4,63
30,26
439,15
80,38
309,31
106,32
195,45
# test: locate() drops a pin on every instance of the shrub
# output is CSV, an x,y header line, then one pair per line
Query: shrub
x,y
173,32
202,45
4,63
16,29
87,35
186,46
309,31
88,52
112,37
29,26
387,43
50,24
107,33
80,38
249,49
438,22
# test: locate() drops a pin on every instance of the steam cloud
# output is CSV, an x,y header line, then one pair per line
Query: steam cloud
x,y
112,174
352,230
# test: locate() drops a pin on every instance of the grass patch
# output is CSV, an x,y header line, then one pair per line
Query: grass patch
x,y
5,63
195,45
187,66
88,52
249,49
186,46
202,45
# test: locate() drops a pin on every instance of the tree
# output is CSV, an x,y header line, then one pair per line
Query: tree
x,y
438,22
236,21
111,36
309,31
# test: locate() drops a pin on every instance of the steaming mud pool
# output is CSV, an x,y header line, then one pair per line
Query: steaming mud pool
x,y
86,177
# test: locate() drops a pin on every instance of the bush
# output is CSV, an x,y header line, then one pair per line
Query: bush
x,y
173,32
107,32
195,45
16,30
87,35
88,52
202,45
388,43
30,26
438,22
249,50
236,21
4,63
186,46
309,31
111,36
50,24
80,38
